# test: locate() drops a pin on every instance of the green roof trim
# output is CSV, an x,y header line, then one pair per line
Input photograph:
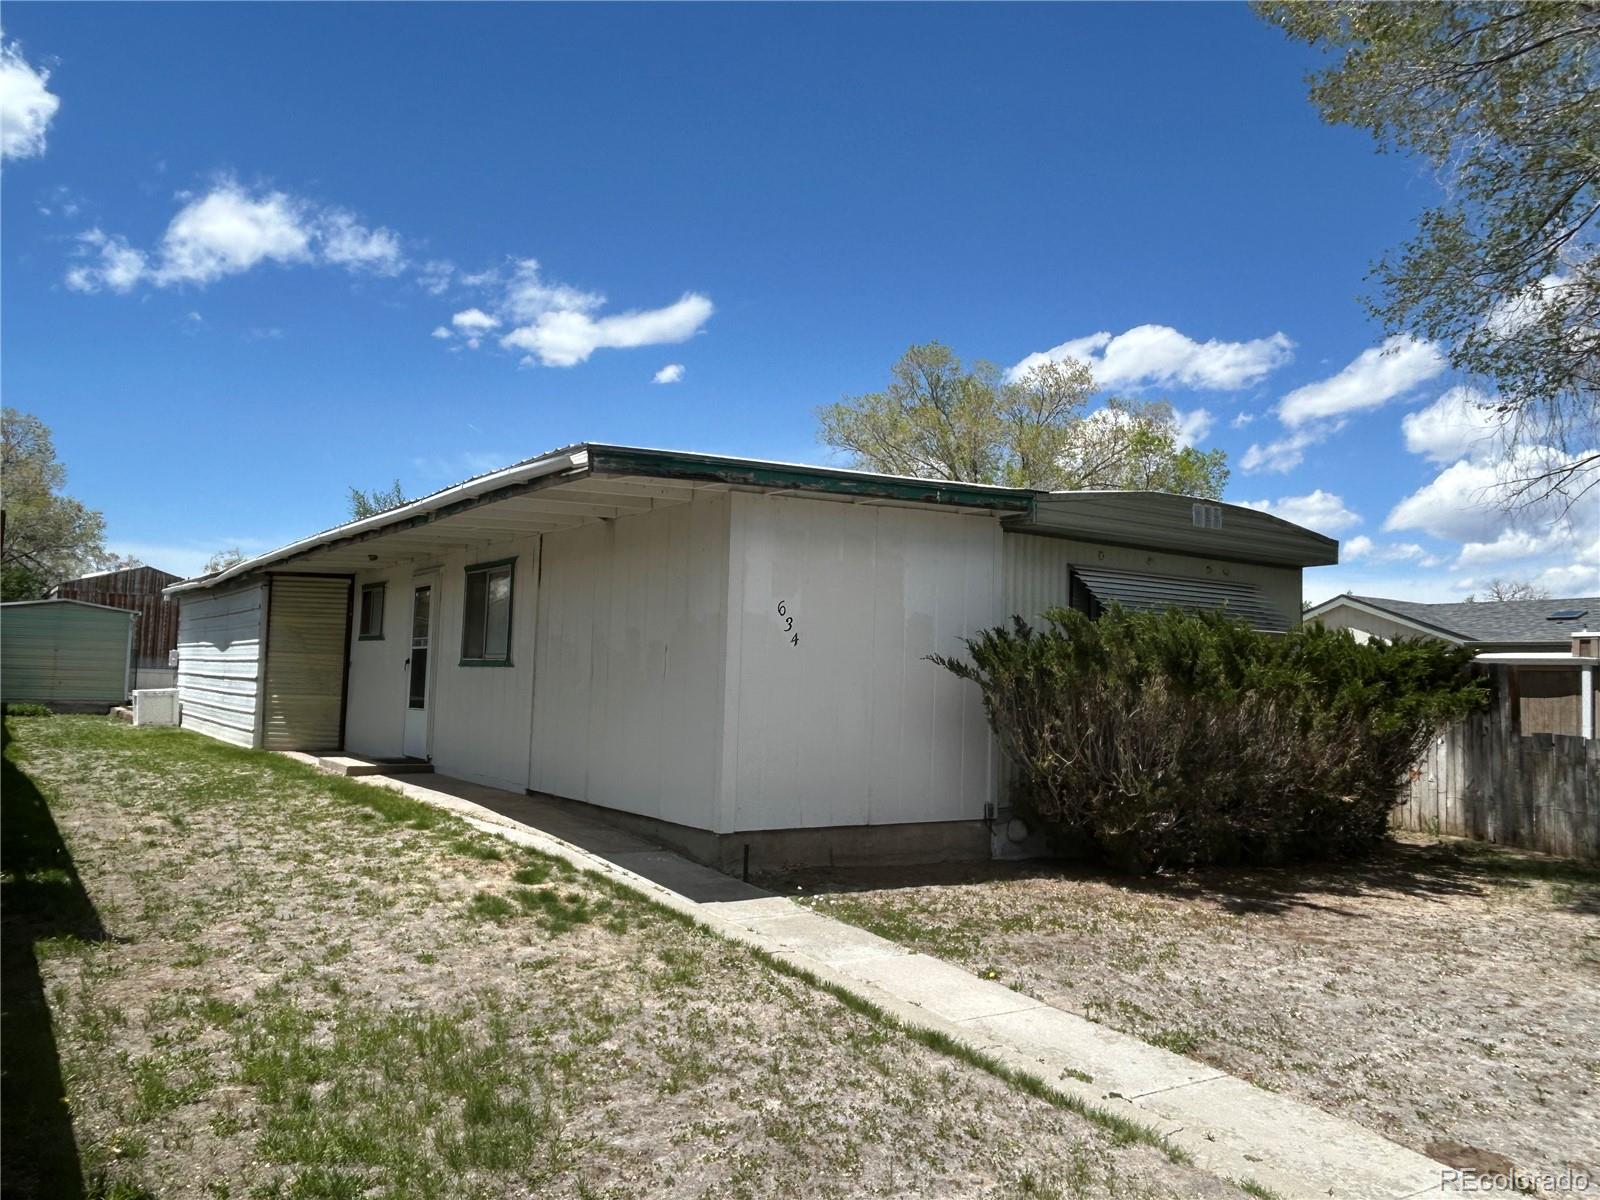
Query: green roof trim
x,y
662,464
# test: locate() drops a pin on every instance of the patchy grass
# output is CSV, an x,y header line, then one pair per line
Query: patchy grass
x,y
1443,993
236,977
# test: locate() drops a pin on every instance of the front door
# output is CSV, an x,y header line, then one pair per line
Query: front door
x,y
419,671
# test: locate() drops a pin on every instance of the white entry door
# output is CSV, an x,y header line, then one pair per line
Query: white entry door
x,y
419,669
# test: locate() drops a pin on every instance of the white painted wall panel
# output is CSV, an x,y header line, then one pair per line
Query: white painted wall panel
x,y
853,725
628,691
482,715
375,713
219,662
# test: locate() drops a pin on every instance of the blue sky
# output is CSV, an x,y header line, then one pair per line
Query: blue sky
x,y
253,255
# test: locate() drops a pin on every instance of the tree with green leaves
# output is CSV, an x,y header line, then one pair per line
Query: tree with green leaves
x,y
370,504
937,419
1503,101
48,537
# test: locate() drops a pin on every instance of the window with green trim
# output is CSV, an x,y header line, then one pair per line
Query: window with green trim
x,y
371,627
486,618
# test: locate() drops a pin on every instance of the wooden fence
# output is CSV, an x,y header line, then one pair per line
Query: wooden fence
x,y
1482,779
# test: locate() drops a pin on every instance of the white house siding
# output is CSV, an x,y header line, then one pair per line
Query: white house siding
x,y
627,706
1036,573
376,710
852,726
219,663
1365,626
481,715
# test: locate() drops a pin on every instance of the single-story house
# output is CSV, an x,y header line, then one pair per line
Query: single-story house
x,y
729,652
1543,651
137,588
69,654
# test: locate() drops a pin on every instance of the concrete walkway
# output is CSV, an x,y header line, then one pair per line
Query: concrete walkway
x,y
1232,1128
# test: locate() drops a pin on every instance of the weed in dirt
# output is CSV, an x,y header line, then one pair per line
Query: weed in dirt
x,y
472,848
557,912
486,906
532,874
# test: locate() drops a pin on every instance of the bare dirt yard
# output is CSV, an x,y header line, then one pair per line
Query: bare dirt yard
x,y
1445,994
228,976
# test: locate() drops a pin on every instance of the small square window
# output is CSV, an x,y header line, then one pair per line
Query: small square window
x,y
486,619
371,627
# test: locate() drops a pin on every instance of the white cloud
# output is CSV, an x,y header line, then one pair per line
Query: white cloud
x,y
227,231
473,324
119,267
348,243
439,331
231,230
1319,510
1357,547
27,106
1376,376
1288,452
1243,419
1160,355
557,325
474,320
1194,426
1459,424
671,373
434,276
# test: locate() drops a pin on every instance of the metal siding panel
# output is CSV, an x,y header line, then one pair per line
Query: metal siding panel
x,y
854,726
628,703
1156,593
219,652
64,653
304,693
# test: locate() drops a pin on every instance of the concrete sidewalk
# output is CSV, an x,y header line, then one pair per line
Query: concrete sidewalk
x,y
1232,1128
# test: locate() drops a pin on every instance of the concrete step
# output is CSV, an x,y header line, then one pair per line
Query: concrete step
x,y
344,764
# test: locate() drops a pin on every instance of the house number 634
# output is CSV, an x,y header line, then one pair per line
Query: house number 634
x,y
789,631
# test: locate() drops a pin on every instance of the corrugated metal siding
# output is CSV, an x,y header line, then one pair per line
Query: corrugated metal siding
x,y
1138,592
219,662
304,696
628,700
1037,573
137,589
64,653
853,726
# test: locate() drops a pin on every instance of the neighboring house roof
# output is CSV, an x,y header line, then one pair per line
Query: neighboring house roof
x,y
578,470
1483,622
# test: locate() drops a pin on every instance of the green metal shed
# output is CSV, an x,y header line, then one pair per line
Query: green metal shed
x,y
66,653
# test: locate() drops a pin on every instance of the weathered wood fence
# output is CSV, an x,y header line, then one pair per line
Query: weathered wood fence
x,y
1481,779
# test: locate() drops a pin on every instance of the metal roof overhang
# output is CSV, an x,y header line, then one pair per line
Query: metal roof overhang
x,y
590,482
1138,592
1164,521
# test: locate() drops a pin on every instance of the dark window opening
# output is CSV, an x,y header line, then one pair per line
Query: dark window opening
x,y
371,627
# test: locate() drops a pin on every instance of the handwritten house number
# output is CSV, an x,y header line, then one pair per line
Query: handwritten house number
x,y
789,630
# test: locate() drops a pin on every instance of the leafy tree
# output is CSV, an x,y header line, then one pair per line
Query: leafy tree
x,y
370,504
1503,99
937,419
48,536
222,560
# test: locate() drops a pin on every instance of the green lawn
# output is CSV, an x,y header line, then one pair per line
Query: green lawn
x,y
227,975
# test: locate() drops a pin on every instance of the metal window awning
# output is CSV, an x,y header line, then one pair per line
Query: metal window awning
x,y
1138,592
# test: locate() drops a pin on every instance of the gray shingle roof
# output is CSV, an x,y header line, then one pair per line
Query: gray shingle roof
x,y
1513,621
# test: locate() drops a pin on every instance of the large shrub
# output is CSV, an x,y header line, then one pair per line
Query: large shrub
x,y
1173,739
